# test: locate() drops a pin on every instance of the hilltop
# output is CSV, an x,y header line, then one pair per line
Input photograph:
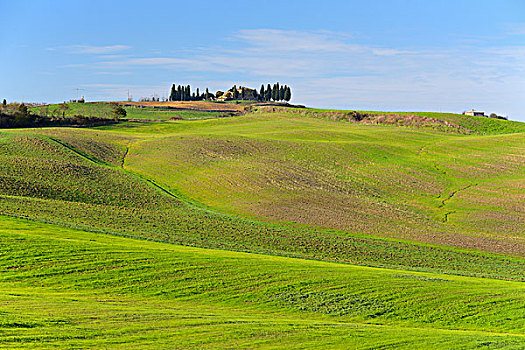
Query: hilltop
x,y
157,110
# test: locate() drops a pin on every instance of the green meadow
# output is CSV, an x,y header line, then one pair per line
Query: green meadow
x,y
267,230
105,110
75,289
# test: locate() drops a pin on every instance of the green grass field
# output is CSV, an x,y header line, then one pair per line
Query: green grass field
x,y
380,180
106,110
324,234
73,289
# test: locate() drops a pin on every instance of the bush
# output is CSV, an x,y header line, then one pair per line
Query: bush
x,y
119,112
22,108
494,115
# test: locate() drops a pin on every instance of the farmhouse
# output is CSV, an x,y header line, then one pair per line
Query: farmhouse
x,y
475,113
82,100
228,95
243,93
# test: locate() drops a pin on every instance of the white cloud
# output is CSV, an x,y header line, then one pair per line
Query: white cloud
x,y
295,41
96,50
515,29
154,61
112,73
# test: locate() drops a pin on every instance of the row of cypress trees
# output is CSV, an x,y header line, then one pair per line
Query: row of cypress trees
x,y
269,93
276,93
183,93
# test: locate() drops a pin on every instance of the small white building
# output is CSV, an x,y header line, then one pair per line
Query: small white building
x,y
475,113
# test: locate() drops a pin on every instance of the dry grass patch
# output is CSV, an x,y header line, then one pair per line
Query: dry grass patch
x,y
191,105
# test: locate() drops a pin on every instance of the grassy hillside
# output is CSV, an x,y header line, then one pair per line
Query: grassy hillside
x,y
72,289
57,179
448,122
388,221
307,173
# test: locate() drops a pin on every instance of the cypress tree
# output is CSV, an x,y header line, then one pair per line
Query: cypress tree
x,y
207,95
188,93
268,94
287,94
4,102
172,93
198,94
261,92
281,93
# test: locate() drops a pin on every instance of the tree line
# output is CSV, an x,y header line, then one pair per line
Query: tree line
x,y
183,93
275,92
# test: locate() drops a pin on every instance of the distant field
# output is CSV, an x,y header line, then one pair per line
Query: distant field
x,y
203,110
196,105
448,122
155,114
141,111
72,289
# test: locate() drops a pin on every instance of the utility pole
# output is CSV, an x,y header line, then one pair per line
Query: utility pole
x,y
78,89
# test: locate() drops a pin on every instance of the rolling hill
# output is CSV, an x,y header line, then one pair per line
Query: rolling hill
x,y
281,227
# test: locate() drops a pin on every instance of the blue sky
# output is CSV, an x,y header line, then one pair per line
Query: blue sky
x,y
371,55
